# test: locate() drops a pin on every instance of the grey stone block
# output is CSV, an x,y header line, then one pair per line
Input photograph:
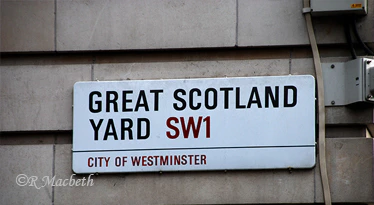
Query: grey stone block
x,y
347,131
211,69
190,69
305,66
30,160
341,115
269,22
232,187
9,138
281,22
350,170
35,138
39,97
118,24
27,25
302,66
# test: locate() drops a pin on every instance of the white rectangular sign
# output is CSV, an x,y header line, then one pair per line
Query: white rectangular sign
x,y
194,124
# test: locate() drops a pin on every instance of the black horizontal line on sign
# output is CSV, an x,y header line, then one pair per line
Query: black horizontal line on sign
x,y
195,148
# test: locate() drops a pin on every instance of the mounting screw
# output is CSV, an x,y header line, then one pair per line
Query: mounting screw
x,y
332,66
332,102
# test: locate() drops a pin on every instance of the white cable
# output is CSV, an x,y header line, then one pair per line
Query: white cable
x,y
321,105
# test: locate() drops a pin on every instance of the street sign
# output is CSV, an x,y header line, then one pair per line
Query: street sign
x,y
194,124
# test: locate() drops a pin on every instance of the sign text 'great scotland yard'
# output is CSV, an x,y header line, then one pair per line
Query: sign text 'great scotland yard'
x,y
194,124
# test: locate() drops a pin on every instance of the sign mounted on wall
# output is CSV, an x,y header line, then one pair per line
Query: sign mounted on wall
x,y
194,124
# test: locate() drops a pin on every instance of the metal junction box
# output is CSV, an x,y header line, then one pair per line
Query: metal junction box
x,y
338,7
349,82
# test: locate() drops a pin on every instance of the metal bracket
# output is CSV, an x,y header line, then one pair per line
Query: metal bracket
x,y
307,10
349,82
